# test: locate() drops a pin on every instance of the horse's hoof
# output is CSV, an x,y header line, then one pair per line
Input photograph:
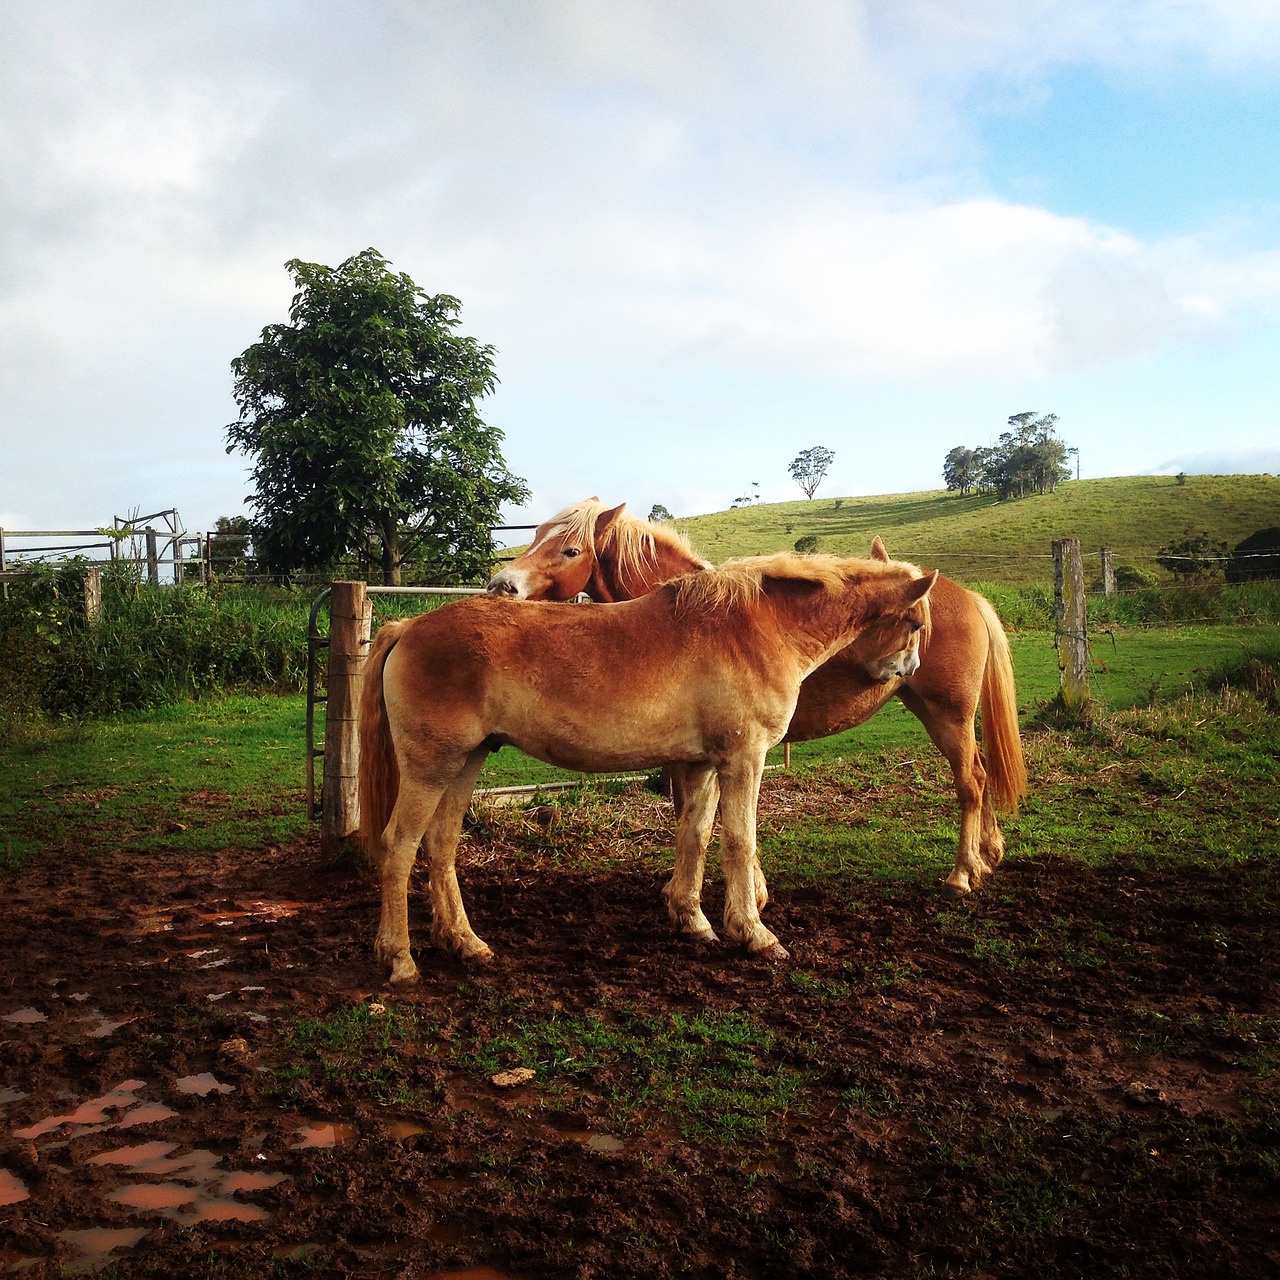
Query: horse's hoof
x,y
480,955
953,892
404,974
774,951
707,937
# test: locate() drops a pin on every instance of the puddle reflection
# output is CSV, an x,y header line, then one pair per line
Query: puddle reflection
x,y
95,1244
93,1112
12,1190
202,1085
323,1135
196,1179
26,1016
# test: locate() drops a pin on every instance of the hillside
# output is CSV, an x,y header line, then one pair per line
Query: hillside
x,y
981,539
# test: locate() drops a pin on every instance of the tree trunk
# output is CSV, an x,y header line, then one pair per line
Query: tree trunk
x,y
390,553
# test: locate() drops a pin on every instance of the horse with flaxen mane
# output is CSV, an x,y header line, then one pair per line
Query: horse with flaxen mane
x,y
613,555
703,671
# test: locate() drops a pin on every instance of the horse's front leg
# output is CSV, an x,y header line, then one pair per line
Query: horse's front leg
x,y
739,795
694,794
680,783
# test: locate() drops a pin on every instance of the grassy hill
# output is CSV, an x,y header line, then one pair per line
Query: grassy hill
x,y
983,540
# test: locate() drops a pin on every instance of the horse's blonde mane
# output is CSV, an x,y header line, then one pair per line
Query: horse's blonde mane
x,y
633,540
738,582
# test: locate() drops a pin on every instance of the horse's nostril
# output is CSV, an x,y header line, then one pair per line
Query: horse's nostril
x,y
502,588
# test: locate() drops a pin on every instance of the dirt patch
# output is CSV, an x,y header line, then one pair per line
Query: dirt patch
x,y
1074,1073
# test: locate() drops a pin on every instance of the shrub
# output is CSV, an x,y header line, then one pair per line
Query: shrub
x,y
1256,558
148,647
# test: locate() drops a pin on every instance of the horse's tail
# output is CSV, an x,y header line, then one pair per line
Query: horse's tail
x,y
1001,736
379,780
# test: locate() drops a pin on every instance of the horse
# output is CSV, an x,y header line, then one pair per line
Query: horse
x,y
613,555
703,671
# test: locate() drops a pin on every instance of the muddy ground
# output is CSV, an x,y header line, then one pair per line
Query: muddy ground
x,y
1073,1073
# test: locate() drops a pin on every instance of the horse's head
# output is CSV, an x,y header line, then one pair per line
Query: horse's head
x,y
875,612
562,557
890,647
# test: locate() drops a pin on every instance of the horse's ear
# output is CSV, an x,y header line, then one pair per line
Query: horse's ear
x,y
921,587
878,550
606,518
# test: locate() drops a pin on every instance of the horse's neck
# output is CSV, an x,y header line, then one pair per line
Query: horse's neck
x,y
611,582
818,627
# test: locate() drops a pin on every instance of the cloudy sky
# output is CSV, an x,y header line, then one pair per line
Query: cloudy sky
x,y
702,234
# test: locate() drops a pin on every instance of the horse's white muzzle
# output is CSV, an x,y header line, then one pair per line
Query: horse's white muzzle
x,y
901,665
509,582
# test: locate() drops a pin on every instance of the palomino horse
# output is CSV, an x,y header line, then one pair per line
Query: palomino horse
x,y
704,671
612,555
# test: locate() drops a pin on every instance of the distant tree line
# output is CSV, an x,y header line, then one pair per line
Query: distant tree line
x,y
1028,458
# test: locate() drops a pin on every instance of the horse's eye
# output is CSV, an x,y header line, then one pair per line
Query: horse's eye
x,y
572,551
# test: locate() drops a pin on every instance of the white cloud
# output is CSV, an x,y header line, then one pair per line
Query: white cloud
x,y
1223,462
627,197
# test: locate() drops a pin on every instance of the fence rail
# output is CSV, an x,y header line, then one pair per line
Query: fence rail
x,y
168,552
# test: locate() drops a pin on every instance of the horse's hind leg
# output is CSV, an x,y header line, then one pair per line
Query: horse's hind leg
x,y
951,730
450,927
414,807
695,794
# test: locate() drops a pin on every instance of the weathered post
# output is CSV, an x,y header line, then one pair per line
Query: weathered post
x,y
350,620
153,559
4,585
1071,637
93,595
1108,573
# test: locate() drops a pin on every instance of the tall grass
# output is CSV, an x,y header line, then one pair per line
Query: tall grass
x,y
1031,608
148,647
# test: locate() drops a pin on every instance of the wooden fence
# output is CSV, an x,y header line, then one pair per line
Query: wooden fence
x,y
166,555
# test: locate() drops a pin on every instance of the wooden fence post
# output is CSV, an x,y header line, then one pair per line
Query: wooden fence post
x,y
93,594
1108,573
153,559
1071,636
350,619
4,586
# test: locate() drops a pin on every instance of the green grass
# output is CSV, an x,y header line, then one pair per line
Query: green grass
x,y
203,776
982,540
228,772
709,1070
358,1049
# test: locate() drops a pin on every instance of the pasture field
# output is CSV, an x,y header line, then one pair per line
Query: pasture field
x,y
979,539
231,772
1073,1072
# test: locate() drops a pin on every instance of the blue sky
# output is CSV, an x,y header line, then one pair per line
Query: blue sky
x,y
702,236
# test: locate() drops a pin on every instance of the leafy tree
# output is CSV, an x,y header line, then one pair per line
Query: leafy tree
x,y
807,544
1028,458
809,468
659,512
361,415
962,470
230,545
1195,557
